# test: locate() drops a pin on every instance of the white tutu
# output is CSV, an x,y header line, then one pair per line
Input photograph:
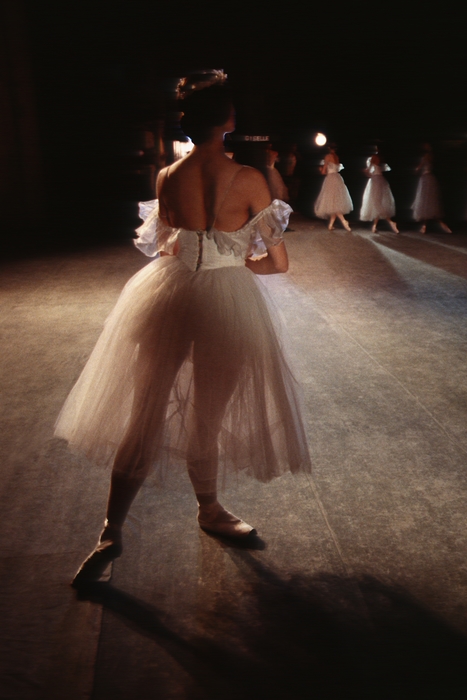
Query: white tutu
x,y
378,201
334,197
427,203
189,358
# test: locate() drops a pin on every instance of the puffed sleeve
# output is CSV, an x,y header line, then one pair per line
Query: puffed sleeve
x,y
154,236
268,227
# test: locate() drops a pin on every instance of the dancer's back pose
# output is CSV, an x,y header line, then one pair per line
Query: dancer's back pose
x,y
189,365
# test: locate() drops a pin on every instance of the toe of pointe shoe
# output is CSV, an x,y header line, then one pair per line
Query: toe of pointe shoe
x,y
93,568
236,528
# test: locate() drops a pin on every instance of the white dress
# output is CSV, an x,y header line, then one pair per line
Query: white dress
x,y
190,365
427,203
378,201
334,196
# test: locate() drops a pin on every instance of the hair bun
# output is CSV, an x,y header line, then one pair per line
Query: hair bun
x,y
207,103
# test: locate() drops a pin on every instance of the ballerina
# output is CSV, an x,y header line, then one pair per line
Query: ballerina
x,y
378,201
427,204
334,199
189,366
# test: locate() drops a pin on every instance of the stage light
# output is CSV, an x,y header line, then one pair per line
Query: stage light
x,y
320,139
182,148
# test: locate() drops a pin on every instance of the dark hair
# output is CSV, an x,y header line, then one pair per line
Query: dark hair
x,y
205,109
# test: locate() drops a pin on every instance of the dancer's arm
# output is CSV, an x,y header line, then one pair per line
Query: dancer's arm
x,y
276,259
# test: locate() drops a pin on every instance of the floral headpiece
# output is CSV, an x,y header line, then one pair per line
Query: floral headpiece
x,y
199,80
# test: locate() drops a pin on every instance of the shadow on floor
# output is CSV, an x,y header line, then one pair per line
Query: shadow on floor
x,y
321,637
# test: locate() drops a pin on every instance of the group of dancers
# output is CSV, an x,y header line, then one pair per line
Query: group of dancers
x,y
378,203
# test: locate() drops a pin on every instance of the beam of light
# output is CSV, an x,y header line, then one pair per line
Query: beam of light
x,y
182,148
426,280
320,139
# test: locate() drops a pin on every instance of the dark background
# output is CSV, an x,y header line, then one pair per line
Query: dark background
x,y
93,75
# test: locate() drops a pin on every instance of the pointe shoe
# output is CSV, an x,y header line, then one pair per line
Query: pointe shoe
x,y
393,225
330,228
221,522
347,226
108,548
445,227
374,229
422,229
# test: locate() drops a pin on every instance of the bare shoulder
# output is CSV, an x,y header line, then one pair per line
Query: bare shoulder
x,y
176,170
161,177
250,177
254,187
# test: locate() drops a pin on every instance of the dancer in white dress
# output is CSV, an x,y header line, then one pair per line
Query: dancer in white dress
x,y
334,199
427,204
189,367
378,201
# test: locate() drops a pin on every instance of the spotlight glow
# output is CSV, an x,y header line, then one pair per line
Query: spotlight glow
x,y
182,148
320,139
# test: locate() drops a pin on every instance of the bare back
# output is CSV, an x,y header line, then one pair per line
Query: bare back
x,y
206,188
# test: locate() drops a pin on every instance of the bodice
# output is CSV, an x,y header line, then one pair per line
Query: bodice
x,y
205,250
334,168
200,250
425,166
377,168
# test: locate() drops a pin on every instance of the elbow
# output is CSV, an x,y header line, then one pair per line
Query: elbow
x,y
283,266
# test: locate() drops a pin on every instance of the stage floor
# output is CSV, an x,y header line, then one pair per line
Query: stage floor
x,y
357,584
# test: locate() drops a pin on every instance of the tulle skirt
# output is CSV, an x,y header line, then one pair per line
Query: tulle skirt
x,y
427,204
378,202
189,368
334,197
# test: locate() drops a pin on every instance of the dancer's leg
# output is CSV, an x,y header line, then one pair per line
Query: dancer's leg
x,y
109,546
375,224
132,461
122,493
393,225
343,221
215,380
331,222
